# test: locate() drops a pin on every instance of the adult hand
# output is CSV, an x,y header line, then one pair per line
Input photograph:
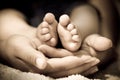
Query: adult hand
x,y
84,61
95,46
21,53
64,66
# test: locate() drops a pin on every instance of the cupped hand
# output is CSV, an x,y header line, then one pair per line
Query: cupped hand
x,y
84,60
21,52
68,65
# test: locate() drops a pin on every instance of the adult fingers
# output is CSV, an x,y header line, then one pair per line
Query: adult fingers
x,y
23,66
54,52
33,57
80,69
98,42
66,63
90,71
27,53
19,64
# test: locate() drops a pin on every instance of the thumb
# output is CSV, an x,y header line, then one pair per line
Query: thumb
x,y
98,42
31,56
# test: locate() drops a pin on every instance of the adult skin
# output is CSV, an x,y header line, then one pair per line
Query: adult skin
x,y
109,26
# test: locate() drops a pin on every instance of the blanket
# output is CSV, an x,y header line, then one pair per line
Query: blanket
x,y
8,73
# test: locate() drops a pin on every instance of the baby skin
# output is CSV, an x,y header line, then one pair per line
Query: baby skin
x,y
47,32
69,34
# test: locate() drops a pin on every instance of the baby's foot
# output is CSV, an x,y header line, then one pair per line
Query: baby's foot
x,y
68,33
46,31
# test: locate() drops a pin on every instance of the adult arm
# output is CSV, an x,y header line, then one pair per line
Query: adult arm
x,y
109,26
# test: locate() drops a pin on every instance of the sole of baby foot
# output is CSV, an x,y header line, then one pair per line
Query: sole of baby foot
x,y
47,30
68,33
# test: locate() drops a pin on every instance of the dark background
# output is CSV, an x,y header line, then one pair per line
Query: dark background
x,y
31,7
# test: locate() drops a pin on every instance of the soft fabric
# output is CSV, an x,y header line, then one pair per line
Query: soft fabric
x,y
8,73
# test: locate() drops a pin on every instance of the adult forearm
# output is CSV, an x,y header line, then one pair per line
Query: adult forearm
x,y
109,18
108,28
11,22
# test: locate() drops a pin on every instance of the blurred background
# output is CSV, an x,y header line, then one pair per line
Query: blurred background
x,y
36,9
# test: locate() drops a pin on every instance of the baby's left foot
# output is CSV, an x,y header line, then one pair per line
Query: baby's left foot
x,y
46,31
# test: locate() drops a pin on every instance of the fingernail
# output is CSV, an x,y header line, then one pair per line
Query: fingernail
x,y
94,70
97,61
90,60
40,63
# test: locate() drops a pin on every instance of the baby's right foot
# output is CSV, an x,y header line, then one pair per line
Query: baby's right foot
x,y
46,31
69,34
